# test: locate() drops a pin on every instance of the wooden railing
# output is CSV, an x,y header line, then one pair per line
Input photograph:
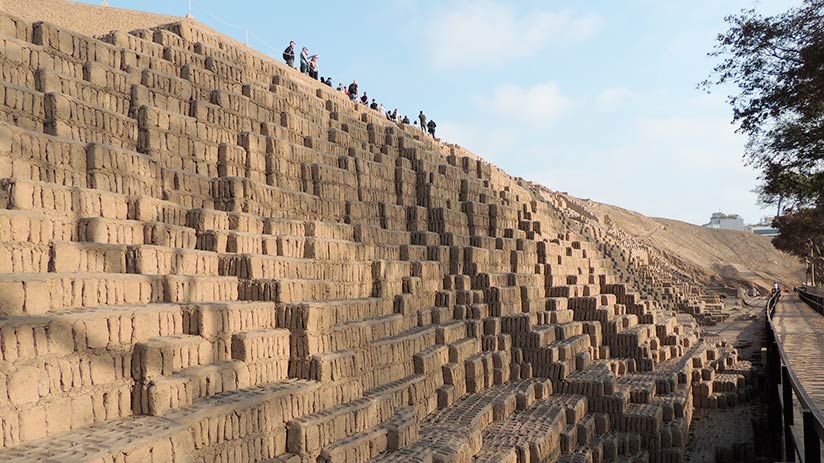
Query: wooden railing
x,y
785,390
814,297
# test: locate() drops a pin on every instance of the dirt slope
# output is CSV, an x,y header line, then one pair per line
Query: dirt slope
x,y
734,256
84,18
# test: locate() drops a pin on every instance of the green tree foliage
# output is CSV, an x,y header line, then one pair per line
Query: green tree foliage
x,y
776,64
802,236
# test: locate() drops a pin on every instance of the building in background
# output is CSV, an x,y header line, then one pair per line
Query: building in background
x,y
722,221
763,228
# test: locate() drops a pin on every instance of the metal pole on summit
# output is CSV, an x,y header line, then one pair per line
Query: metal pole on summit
x,y
189,14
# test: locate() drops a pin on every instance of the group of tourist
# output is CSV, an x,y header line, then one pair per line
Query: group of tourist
x,y
309,66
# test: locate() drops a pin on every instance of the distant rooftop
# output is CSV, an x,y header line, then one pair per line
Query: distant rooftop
x,y
721,215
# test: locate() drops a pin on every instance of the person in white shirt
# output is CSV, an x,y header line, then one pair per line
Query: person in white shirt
x,y
304,60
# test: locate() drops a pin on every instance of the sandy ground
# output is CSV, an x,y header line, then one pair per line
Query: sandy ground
x,y
84,18
732,255
745,329
726,428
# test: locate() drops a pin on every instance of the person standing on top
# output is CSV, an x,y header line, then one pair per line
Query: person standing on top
x,y
313,66
365,98
304,60
353,90
422,118
776,292
431,126
382,110
289,54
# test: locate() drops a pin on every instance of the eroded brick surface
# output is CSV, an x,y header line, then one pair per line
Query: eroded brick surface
x,y
205,256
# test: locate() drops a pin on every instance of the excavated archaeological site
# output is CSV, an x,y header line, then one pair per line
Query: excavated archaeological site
x,y
208,257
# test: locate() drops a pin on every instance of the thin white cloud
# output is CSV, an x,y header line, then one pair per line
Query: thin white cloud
x,y
490,34
540,104
612,97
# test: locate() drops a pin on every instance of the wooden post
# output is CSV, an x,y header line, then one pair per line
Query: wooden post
x,y
812,443
773,402
787,408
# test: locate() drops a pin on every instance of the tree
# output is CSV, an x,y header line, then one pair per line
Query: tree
x,y
777,65
803,236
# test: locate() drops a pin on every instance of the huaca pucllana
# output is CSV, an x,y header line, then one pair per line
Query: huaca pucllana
x,y
206,256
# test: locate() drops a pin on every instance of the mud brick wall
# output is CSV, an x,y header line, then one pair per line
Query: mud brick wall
x,y
206,256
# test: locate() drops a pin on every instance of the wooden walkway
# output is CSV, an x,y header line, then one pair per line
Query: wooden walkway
x,y
800,330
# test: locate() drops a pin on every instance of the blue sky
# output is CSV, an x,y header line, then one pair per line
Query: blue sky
x,y
594,98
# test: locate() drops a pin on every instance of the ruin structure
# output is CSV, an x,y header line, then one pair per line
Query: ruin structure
x,y
207,257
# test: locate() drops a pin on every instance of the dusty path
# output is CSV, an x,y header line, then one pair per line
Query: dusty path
x,y
734,426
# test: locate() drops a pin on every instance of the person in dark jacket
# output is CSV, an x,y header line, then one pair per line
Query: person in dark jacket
x,y
374,105
304,60
365,98
422,118
405,119
289,54
353,90
431,126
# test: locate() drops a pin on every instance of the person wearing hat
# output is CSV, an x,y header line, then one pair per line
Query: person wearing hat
x,y
313,66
